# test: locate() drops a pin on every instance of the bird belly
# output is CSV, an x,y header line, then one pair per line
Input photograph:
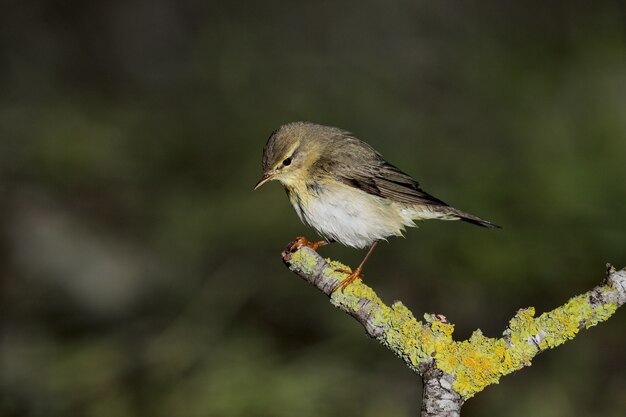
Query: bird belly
x,y
348,215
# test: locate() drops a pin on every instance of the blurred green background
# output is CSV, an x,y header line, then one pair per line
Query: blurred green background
x,y
141,276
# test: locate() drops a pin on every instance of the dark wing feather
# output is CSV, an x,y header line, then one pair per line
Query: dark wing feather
x,y
357,164
401,187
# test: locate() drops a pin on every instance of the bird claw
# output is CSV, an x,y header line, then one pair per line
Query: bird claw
x,y
301,241
353,276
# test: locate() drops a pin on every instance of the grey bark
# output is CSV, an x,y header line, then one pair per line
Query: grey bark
x,y
438,397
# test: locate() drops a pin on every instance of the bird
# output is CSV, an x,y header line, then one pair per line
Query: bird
x,y
346,191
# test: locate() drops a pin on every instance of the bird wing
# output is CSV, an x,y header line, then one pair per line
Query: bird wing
x,y
357,164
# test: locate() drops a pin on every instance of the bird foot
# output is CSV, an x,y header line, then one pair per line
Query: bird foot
x,y
301,241
353,276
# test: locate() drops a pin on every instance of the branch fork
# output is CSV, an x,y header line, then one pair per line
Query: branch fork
x,y
454,371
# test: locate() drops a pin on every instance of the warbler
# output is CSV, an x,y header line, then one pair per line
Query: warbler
x,y
345,190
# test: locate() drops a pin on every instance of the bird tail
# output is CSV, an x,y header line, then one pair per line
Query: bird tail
x,y
473,219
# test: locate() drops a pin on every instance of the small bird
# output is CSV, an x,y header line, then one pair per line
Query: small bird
x,y
344,189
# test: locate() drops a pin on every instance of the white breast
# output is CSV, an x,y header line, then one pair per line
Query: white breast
x,y
348,215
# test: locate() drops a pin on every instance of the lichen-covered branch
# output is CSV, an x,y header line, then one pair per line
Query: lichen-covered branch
x,y
427,346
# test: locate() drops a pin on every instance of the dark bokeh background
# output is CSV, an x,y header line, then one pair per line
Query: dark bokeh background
x,y
141,276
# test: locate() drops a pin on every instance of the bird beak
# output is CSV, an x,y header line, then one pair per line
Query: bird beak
x,y
265,178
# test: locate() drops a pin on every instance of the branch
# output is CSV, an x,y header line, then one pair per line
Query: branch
x,y
454,371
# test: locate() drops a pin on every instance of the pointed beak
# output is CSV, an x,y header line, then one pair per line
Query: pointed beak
x,y
265,178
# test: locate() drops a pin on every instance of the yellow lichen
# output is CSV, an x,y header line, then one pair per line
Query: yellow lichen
x,y
602,313
562,324
406,336
479,361
305,260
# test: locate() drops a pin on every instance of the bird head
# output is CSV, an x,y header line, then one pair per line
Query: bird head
x,y
291,151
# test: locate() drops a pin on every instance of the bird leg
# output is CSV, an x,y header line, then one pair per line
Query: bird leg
x,y
301,241
356,274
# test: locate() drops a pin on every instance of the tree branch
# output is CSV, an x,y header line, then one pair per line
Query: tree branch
x,y
454,371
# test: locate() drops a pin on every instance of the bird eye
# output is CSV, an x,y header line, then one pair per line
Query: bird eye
x,y
287,162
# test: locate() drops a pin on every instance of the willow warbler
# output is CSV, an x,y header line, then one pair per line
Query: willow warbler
x,y
345,190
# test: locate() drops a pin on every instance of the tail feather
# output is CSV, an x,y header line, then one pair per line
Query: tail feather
x,y
474,220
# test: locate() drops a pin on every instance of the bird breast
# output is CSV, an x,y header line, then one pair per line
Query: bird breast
x,y
346,214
